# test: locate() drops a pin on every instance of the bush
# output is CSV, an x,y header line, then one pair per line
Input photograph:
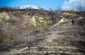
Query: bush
x,y
1,35
17,11
72,12
43,21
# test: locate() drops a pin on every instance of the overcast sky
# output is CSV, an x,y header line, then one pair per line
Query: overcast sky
x,y
46,4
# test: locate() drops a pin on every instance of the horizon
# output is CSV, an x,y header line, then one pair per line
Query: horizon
x,y
45,4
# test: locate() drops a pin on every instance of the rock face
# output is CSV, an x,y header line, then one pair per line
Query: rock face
x,y
65,37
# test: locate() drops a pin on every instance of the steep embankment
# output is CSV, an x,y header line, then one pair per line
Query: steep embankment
x,y
66,37
15,26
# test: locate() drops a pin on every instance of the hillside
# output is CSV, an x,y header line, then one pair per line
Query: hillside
x,y
41,32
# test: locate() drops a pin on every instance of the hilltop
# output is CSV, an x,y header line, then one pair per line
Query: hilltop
x,y
41,32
